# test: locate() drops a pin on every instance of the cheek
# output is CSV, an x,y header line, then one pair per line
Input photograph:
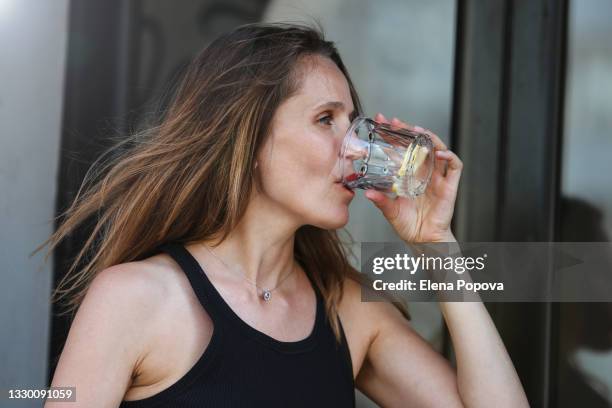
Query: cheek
x,y
300,164
310,158
320,154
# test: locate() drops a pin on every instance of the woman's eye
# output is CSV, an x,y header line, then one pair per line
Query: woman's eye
x,y
325,120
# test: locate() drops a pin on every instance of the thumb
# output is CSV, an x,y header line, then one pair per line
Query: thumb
x,y
387,206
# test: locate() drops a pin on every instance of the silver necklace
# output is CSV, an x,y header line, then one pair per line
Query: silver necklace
x,y
266,294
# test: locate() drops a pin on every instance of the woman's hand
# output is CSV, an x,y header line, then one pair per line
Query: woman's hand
x,y
426,218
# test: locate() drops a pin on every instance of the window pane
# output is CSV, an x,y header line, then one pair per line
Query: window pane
x,y
585,345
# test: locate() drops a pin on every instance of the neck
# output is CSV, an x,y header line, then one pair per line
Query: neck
x,y
260,248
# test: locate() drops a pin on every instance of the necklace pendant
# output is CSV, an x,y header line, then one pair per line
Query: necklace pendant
x,y
266,295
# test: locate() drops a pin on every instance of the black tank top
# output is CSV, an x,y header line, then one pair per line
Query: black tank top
x,y
243,367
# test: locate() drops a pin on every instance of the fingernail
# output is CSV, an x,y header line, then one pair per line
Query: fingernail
x,y
419,129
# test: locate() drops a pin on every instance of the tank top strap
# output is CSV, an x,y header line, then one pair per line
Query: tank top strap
x,y
202,286
221,312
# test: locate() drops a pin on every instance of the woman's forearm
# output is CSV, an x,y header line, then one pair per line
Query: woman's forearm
x,y
486,376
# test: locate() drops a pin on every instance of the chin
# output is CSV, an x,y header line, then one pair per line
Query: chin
x,y
333,219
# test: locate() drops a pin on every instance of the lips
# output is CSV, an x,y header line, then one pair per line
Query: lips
x,y
352,177
349,178
345,188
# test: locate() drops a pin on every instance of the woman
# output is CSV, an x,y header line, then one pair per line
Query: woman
x,y
218,278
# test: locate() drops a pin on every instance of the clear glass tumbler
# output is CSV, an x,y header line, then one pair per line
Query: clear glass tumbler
x,y
377,156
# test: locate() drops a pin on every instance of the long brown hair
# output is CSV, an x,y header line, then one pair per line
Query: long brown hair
x,y
185,179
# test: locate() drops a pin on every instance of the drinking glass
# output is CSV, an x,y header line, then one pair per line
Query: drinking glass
x,y
391,159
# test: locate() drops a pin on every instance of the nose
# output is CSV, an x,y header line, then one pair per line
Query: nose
x,y
353,148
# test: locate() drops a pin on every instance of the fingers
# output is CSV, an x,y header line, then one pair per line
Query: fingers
x,y
447,163
388,206
380,118
395,122
438,143
440,163
454,165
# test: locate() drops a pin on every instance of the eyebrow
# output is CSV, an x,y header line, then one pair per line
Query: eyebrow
x,y
336,105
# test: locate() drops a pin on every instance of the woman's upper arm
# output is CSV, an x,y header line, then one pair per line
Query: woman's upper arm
x,y
401,368
106,339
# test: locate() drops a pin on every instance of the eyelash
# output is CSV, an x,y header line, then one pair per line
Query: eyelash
x,y
325,117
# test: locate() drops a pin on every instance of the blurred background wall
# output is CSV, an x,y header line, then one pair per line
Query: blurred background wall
x,y
521,89
584,355
33,39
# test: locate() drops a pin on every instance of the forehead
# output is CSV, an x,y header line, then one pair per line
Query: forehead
x,y
321,80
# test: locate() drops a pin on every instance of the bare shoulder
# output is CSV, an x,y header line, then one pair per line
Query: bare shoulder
x,y
109,335
388,352
133,292
126,298
372,315
136,282
364,321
